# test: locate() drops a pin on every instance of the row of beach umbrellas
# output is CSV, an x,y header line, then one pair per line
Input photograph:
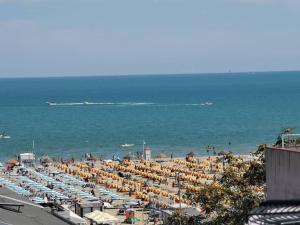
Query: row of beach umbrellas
x,y
64,186
14,187
113,196
42,188
73,179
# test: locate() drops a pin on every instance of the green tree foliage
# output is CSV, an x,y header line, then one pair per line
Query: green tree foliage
x,y
256,174
178,219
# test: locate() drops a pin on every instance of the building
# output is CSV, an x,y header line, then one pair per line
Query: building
x,y
283,169
147,153
29,213
26,159
282,205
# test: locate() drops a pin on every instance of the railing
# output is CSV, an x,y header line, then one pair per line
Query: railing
x,y
290,140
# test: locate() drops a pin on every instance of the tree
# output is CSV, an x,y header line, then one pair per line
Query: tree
x,y
256,173
229,200
178,219
236,193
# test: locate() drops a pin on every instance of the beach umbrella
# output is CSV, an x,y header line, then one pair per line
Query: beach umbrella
x,y
151,195
222,153
128,157
12,161
161,155
190,154
46,159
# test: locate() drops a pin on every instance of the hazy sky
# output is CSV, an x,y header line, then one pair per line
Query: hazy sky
x,y
101,37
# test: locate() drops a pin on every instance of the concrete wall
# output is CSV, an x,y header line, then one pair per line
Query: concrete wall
x,y
283,174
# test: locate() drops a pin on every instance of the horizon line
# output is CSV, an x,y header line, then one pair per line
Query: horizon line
x,y
148,74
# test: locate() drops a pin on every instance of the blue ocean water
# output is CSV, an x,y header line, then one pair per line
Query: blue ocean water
x,y
248,109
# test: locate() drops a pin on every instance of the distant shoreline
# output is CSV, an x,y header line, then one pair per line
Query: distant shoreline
x,y
148,75
153,158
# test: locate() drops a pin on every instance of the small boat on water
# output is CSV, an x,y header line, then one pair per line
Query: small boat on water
x,y
126,145
206,103
4,136
70,103
51,103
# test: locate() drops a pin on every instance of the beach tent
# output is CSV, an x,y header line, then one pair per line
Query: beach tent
x,y
101,218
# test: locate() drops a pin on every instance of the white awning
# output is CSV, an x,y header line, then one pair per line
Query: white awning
x,y
101,217
177,206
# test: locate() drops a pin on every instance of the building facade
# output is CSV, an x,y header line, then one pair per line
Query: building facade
x,y
283,173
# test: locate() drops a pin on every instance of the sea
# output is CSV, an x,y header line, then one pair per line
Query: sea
x,y
175,114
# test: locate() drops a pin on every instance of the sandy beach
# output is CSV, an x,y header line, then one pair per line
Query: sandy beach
x,y
136,189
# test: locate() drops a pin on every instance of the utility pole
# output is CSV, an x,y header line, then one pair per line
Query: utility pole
x,y
143,148
179,193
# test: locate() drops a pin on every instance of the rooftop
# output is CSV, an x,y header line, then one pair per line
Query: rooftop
x,y
28,215
276,212
288,142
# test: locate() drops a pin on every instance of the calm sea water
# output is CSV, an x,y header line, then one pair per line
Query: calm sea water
x,y
166,111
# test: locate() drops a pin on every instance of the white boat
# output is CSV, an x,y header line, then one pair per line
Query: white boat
x,y
206,103
126,145
4,136
70,103
51,103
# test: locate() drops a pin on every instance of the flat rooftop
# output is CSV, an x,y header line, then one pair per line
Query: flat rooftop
x,y
288,142
28,215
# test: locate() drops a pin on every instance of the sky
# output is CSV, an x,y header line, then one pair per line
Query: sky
x,y
40,38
